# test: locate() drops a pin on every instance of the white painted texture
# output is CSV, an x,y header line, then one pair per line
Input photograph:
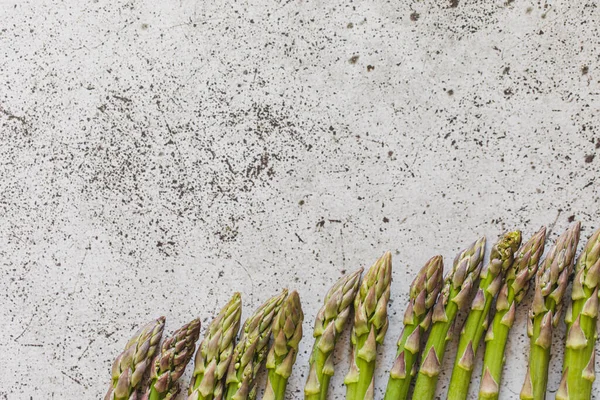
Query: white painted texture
x,y
154,157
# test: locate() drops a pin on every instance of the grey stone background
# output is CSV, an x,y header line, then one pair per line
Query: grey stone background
x,y
156,157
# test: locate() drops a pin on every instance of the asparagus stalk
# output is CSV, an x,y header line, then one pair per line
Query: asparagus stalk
x,y
215,352
458,285
551,282
579,364
329,323
287,333
251,351
370,326
417,318
491,277
514,289
168,366
130,366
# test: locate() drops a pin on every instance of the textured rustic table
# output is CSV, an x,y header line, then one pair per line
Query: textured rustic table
x,y
156,158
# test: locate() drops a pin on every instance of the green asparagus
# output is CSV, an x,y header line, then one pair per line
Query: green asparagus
x,y
215,352
287,333
551,282
168,366
251,351
457,290
491,278
370,326
130,366
579,364
329,323
514,289
417,318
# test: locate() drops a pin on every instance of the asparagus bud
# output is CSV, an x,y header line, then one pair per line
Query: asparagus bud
x,y
129,368
514,289
370,326
457,290
251,350
417,318
329,323
168,366
287,333
215,352
579,363
492,276
551,282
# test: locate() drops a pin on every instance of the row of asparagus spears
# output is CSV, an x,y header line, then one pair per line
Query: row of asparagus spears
x,y
227,369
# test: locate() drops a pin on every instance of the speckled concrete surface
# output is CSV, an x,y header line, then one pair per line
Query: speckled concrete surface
x,y
156,158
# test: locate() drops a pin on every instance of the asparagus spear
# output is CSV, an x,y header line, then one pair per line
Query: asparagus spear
x,y
329,323
456,292
287,333
130,366
417,318
491,277
251,350
370,326
550,284
215,352
168,366
579,364
511,294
